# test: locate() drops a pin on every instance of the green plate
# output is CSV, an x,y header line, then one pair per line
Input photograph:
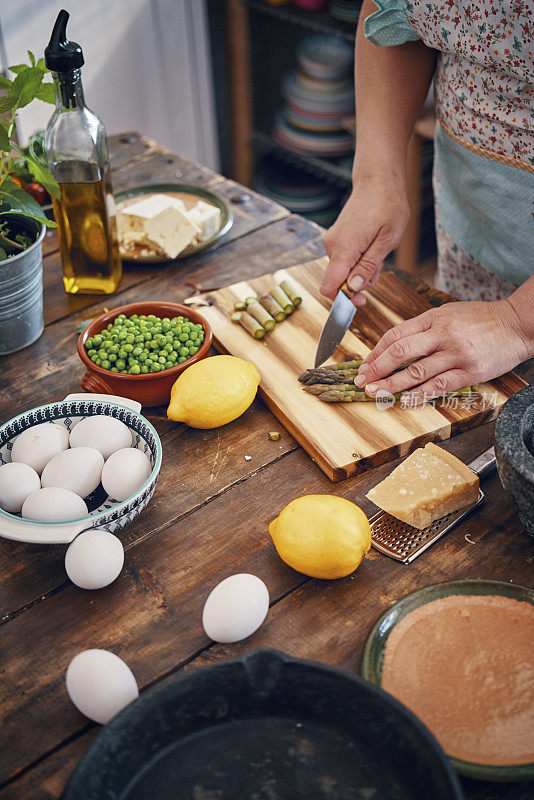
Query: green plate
x,y
373,655
185,191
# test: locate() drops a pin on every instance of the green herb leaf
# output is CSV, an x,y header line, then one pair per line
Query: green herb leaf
x,y
5,83
5,144
3,254
46,93
31,57
43,176
41,64
25,86
16,68
20,202
7,102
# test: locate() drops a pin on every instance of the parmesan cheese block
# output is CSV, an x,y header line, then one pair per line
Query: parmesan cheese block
x,y
207,217
429,484
160,221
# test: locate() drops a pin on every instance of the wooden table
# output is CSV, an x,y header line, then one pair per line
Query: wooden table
x,y
207,520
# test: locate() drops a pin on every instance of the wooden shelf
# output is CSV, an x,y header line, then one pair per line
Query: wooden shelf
x,y
317,21
327,169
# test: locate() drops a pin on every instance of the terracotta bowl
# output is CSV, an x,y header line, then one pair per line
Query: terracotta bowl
x,y
153,389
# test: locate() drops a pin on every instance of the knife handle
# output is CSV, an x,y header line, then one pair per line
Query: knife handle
x,y
345,289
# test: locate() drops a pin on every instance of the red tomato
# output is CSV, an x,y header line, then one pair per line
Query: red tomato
x,y
38,192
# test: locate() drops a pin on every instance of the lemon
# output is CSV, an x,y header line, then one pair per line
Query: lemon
x,y
321,535
213,392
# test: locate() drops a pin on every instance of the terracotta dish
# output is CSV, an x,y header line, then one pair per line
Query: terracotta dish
x,y
153,389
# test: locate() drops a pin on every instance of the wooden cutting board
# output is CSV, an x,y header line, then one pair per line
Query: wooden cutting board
x,y
343,438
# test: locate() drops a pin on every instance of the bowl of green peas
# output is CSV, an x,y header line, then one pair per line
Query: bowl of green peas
x,y
138,350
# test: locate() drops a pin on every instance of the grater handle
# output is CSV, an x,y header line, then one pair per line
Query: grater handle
x,y
484,463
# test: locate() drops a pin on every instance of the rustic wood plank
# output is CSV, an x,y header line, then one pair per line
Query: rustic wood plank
x,y
343,438
151,615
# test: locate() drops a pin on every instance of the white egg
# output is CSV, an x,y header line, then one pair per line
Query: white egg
x,y
54,505
100,684
37,445
94,559
125,472
78,469
17,481
235,608
107,434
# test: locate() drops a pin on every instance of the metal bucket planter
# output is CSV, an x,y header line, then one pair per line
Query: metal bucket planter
x,y
21,290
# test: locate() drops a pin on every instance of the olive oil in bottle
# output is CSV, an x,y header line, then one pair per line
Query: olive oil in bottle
x,y
77,155
87,237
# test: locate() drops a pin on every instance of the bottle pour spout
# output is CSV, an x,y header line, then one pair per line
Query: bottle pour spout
x,y
60,54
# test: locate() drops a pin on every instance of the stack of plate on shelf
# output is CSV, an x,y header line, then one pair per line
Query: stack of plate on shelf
x,y
298,191
345,10
318,96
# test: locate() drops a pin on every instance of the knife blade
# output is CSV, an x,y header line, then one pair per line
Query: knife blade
x,y
338,322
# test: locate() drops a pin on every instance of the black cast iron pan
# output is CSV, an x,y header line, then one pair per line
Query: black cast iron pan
x,y
264,727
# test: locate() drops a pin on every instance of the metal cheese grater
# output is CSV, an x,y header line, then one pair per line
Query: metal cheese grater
x,y
403,542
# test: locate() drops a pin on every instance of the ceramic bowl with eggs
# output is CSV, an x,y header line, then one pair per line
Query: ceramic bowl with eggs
x,y
153,389
60,483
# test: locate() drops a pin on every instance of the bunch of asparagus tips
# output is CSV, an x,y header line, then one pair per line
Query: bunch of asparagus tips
x,y
334,383
259,315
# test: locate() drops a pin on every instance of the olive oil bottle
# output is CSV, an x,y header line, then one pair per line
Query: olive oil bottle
x,y
77,155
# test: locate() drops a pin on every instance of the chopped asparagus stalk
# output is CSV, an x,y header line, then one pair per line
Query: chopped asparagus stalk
x,y
275,436
275,309
250,300
236,316
262,315
240,306
322,376
251,325
319,388
282,299
292,292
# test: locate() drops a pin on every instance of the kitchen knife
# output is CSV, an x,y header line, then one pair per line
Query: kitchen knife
x,y
338,322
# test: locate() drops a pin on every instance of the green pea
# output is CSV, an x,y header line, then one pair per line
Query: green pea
x,y
97,339
151,317
168,347
144,369
112,357
165,326
96,361
105,364
120,363
122,353
182,359
183,351
193,335
183,337
193,350
135,369
162,359
91,352
114,369
168,364
139,339
142,357
189,343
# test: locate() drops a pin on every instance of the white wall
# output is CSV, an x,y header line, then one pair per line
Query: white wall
x,y
147,66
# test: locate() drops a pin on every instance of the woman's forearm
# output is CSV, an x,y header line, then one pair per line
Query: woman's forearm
x,y
391,87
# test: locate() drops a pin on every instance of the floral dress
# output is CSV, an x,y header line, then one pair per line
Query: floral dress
x,y
484,146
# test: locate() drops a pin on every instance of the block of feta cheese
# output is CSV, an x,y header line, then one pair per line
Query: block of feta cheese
x,y
429,484
158,220
207,217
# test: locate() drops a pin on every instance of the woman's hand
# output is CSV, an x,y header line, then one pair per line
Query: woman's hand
x,y
456,345
370,225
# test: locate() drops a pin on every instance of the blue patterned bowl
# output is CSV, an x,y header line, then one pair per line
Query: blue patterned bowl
x,y
105,512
